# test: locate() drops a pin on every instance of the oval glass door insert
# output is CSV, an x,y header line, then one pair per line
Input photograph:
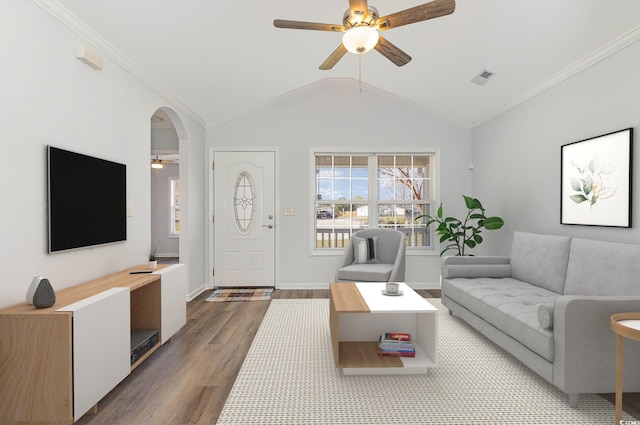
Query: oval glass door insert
x,y
244,202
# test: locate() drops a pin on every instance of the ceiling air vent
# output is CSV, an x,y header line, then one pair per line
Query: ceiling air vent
x,y
482,78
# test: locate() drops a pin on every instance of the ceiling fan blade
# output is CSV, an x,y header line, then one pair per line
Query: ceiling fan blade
x,y
358,7
334,57
391,52
434,9
300,25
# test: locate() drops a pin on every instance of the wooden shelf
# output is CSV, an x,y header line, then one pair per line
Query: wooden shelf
x,y
364,354
144,357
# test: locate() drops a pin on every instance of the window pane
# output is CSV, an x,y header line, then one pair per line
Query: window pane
x,y
324,166
420,167
342,189
335,223
419,189
403,189
244,202
360,190
323,190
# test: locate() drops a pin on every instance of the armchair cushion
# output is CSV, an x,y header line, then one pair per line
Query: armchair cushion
x,y
379,272
365,250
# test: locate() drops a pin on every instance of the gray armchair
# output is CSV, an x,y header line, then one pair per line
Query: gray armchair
x,y
373,255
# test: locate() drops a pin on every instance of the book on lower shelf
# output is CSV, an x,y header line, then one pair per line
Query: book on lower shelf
x,y
396,344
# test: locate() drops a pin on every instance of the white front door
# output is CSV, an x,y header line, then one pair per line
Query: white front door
x,y
244,220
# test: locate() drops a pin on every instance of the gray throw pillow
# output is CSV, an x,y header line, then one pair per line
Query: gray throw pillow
x,y
545,316
365,250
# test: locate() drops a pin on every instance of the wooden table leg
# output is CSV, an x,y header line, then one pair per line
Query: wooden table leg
x,y
618,378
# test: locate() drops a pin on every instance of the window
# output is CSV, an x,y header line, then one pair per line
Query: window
x,y
243,202
360,191
174,213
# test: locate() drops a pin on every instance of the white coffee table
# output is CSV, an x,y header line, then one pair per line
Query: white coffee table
x,y
360,313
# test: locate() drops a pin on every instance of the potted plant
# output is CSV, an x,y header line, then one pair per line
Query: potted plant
x,y
465,233
153,261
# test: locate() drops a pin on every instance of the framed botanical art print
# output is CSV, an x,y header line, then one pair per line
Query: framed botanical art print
x,y
595,186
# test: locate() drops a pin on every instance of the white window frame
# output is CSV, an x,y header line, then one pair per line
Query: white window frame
x,y
373,187
172,209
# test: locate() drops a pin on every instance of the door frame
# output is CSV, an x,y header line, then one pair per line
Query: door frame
x,y
209,248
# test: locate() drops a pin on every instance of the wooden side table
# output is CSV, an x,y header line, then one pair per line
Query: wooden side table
x,y
625,325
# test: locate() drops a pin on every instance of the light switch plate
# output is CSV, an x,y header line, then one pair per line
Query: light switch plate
x,y
289,211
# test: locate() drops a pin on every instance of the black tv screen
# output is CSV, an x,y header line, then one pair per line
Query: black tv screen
x,y
87,200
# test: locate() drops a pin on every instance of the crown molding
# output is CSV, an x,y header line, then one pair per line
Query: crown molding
x,y
60,13
588,61
333,81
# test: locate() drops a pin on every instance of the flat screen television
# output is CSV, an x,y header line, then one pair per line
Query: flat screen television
x,y
87,200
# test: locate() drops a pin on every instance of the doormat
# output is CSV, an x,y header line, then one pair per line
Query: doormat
x,y
240,294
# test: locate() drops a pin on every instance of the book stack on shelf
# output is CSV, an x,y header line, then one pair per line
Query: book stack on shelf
x,y
396,344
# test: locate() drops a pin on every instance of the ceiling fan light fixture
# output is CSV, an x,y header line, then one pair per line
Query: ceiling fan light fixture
x,y
156,163
360,39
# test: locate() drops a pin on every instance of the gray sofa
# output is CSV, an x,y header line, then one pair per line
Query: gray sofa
x,y
549,305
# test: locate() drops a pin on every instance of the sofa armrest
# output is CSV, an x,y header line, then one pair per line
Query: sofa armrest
x,y
585,346
470,267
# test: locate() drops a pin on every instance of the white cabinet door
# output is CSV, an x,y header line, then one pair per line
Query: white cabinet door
x,y
101,346
173,312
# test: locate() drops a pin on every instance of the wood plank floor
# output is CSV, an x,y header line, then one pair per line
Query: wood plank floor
x,y
187,381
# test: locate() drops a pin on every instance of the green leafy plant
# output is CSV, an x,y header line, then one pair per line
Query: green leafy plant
x,y
151,254
462,234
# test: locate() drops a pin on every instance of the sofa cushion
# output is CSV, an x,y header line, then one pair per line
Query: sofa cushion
x,y
379,272
603,268
509,305
540,260
479,270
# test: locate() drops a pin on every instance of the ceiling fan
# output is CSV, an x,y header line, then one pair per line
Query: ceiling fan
x,y
361,23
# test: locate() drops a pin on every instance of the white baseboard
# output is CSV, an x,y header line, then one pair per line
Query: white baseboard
x,y
193,294
307,285
325,285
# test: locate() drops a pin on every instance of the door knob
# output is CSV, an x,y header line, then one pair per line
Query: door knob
x,y
270,226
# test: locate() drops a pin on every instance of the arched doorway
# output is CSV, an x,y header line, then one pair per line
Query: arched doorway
x,y
167,187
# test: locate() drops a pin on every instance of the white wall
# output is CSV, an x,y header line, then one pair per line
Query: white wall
x,y
161,238
335,114
47,96
517,155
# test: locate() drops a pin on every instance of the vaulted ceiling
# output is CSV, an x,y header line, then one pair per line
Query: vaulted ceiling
x,y
218,58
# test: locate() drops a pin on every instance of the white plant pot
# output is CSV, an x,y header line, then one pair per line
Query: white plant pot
x,y
152,265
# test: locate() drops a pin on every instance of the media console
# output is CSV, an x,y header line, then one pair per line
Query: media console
x,y
57,363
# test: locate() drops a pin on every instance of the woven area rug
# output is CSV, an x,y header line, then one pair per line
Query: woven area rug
x,y
288,377
240,294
